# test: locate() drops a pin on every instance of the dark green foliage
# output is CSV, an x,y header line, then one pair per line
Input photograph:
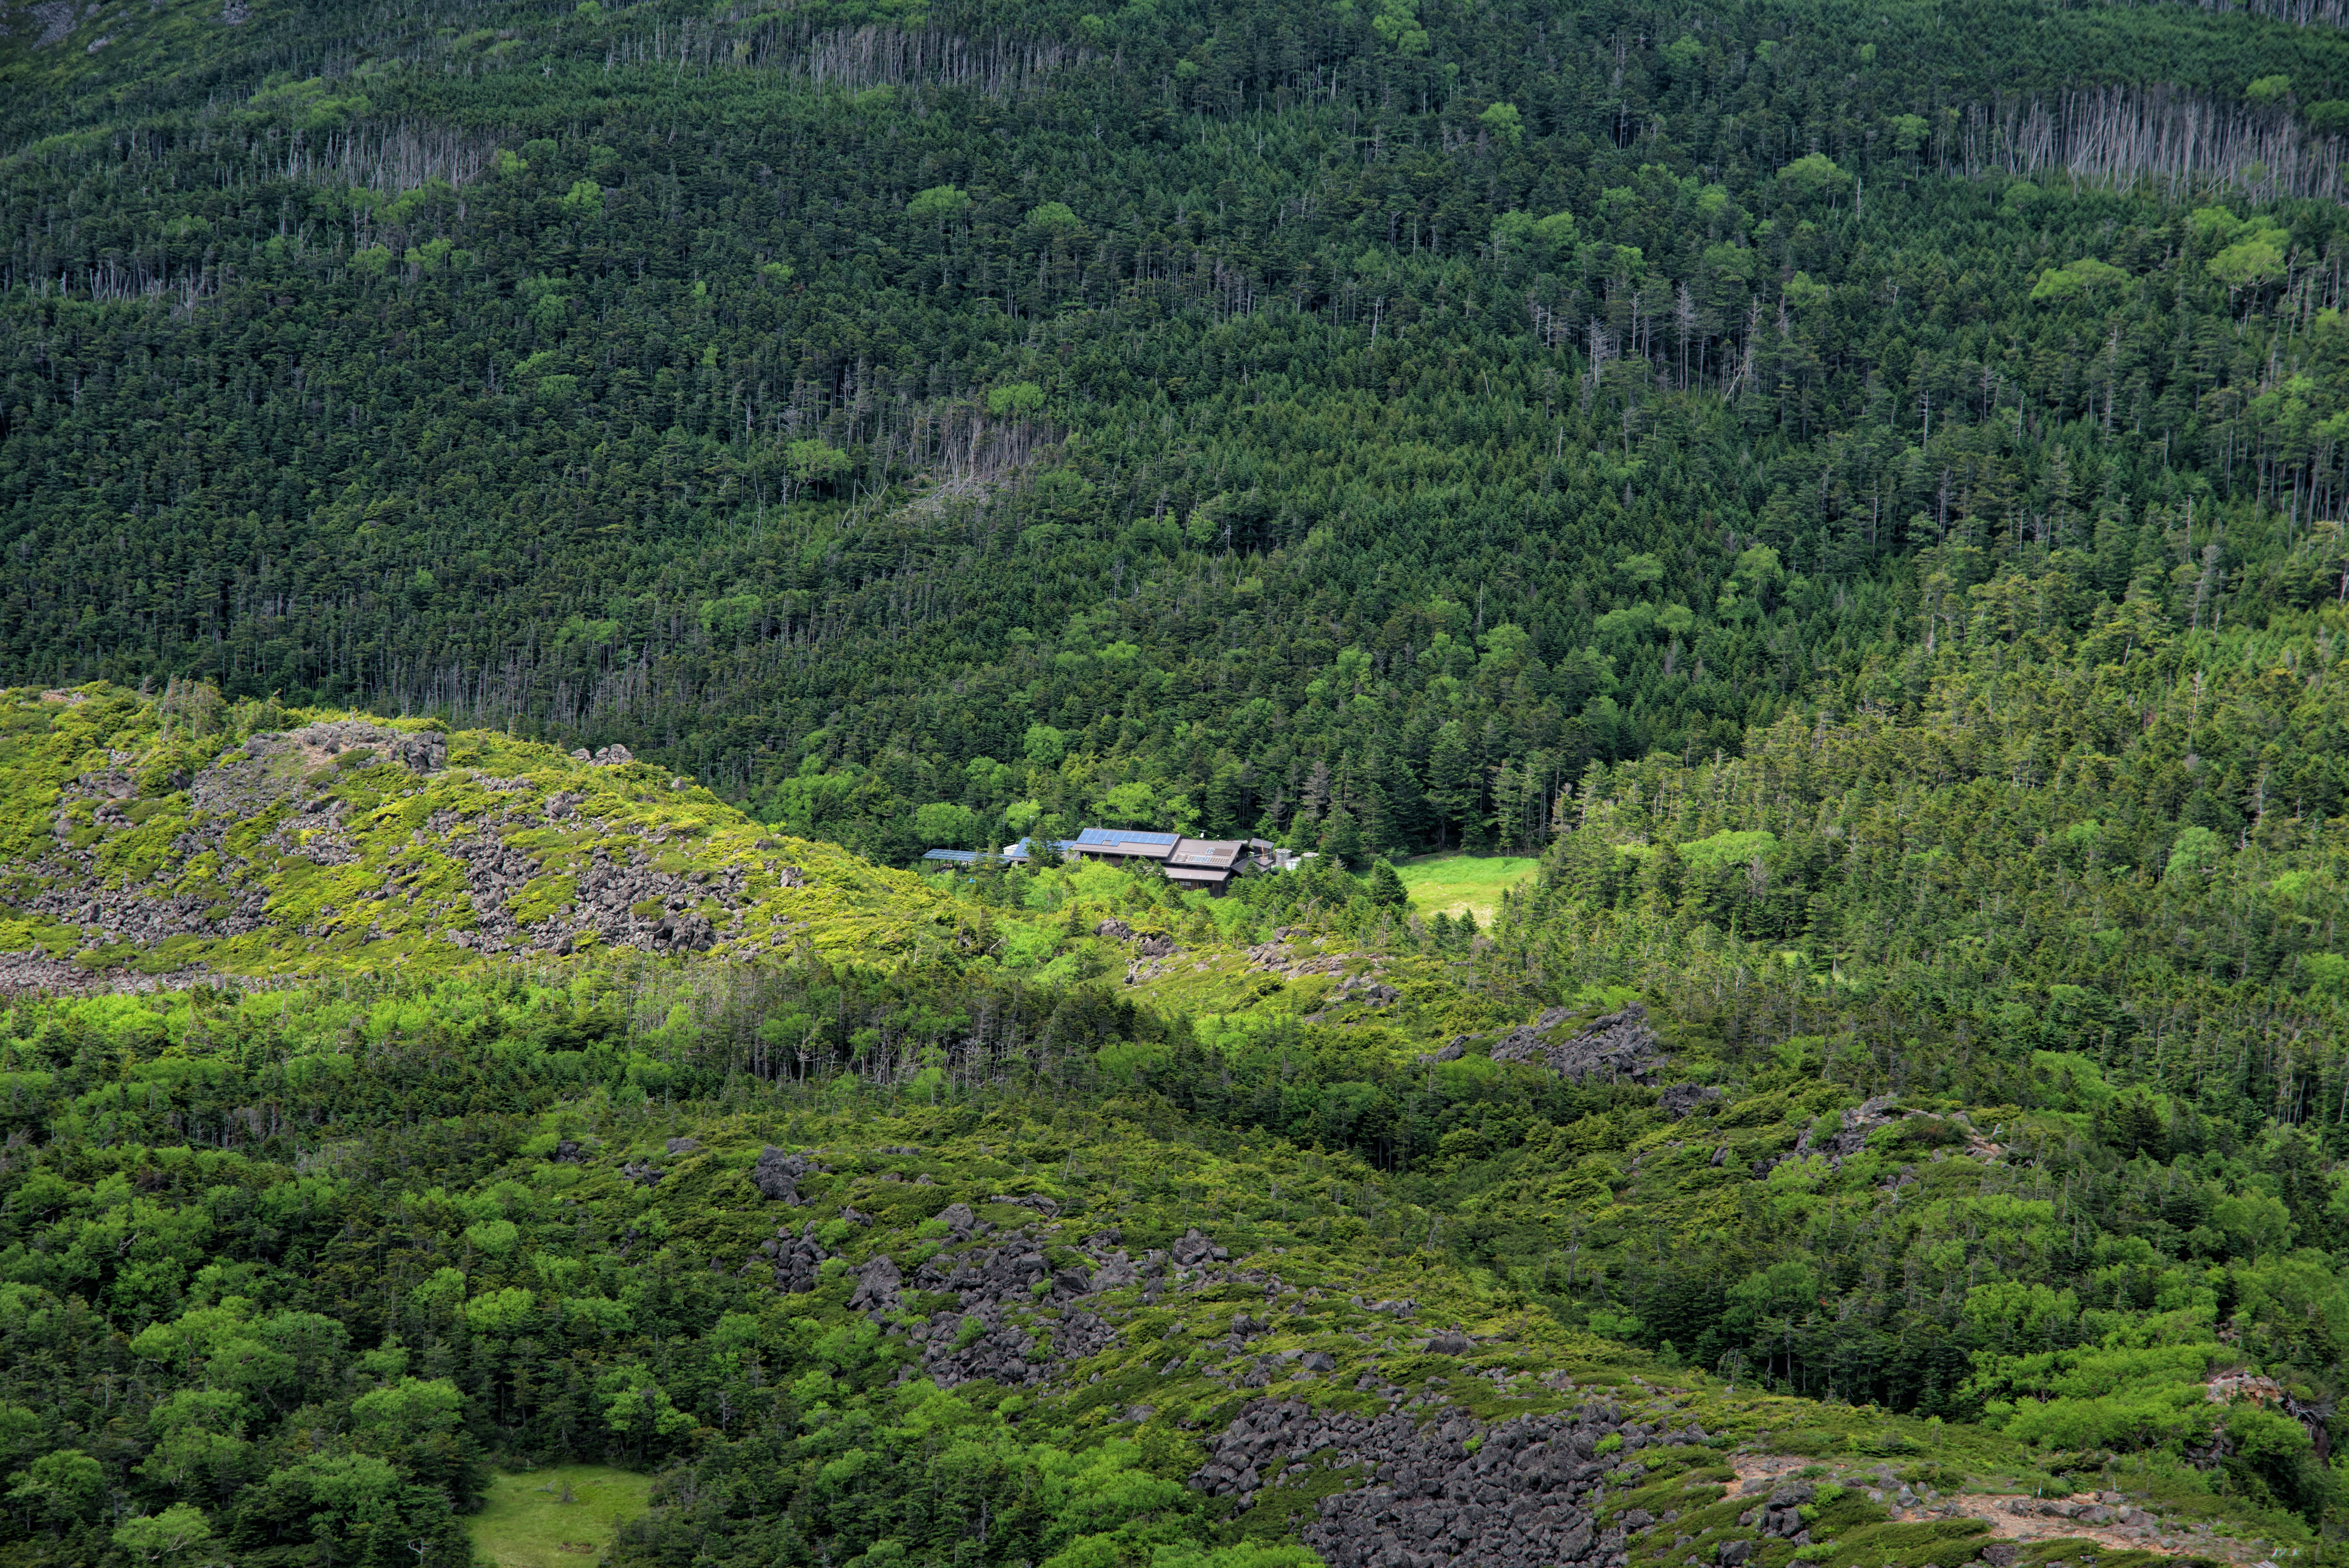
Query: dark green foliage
x,y
1272,446
1892,578
310,1322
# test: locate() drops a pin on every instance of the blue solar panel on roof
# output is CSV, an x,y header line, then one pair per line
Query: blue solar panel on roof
x,y
1019,851
1120,836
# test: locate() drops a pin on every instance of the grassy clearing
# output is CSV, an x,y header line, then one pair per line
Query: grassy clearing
x,y
1449,883
525,1523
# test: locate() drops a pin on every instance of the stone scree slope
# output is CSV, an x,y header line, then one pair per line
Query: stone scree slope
x,y
1523,1491
622,899
1618,1045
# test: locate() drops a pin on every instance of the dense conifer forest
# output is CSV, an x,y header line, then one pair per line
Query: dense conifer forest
x,y
1217,417
520,521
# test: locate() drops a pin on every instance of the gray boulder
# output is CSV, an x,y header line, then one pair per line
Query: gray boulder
x,y
1192,1249
795,1260
1682,1098
777,1175
876,1285
1618,1045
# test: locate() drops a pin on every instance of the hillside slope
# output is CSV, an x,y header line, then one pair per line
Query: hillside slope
x,y
549,1112
295,1301
178,837
1850,493
1218,412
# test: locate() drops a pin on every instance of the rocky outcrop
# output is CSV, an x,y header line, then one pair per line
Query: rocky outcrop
x,y
285,764
1455,1489
876,1285
794,1259
1193,1249
289,786
1363,990
1682,1098
1620,1046
1035,1201
1781,1513
1146,945
625,901
25,974
2084,1512
1850,1138
777,1175
996,1331
1116,1272
315,745
1019,1311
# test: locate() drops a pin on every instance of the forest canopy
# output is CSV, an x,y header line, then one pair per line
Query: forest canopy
x,y
521,522
1275,408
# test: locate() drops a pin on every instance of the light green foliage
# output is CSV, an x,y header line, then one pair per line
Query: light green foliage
x,y
2249,262
1453,883
180,1533
1248,1555
1016,398
943,824
816,462
938,204
506,1312
1397,22
2086,278
411,1408
1814,174
2196,851
636,1405
62,1485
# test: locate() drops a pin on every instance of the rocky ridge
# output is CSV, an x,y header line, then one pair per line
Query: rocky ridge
x,y
1017,1312
1618,1045
256,821
1425,1483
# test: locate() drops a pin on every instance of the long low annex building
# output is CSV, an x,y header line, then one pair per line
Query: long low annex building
x,y
1209,864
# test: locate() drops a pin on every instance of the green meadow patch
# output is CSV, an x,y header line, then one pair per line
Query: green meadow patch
x,y
1451,883
560,1516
